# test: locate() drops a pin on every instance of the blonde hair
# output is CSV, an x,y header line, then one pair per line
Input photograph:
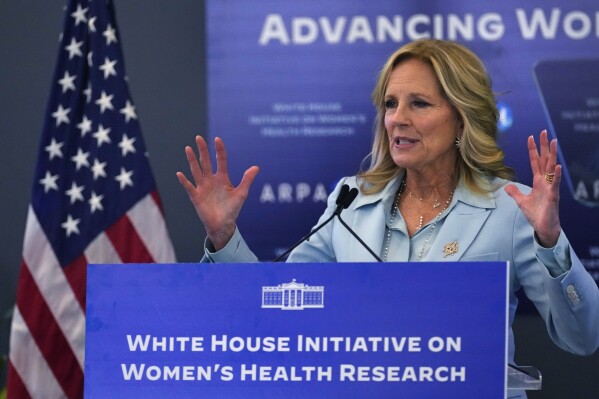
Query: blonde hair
x,y
465,83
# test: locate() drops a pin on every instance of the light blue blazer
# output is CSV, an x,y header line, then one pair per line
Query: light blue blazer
x,y
486,228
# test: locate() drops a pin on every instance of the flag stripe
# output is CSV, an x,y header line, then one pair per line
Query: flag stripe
x,y
53,286
127,242
147,219
15,385
48,335
75,274
158,201
29,365
101,250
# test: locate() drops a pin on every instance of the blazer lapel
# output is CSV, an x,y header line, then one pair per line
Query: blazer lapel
x,y
459,229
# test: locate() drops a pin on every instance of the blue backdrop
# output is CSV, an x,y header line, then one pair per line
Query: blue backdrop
x,y
290,83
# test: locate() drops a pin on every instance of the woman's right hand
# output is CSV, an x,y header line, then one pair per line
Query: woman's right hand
x,y
214,198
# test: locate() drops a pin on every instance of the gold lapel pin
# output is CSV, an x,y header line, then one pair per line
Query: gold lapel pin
x,y
450,249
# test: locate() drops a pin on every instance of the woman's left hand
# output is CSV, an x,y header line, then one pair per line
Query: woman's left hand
x,y
541,205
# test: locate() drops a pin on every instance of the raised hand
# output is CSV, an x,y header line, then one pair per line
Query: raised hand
x,y
216,201
541,205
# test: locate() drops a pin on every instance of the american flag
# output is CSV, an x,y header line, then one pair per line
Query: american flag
x,y
94,200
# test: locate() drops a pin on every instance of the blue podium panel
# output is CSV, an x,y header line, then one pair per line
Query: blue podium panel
x,y
347,330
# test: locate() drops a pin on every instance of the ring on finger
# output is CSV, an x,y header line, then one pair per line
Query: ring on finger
x,y
549,177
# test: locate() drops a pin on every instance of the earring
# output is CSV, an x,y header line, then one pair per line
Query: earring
x,y
458,142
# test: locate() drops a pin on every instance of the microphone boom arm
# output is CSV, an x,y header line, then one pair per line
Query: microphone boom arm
x,y
344,199
305,238
359,239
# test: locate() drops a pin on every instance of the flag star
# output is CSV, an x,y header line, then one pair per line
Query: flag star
x,y
71,225
61,115
90,59
129,111
49,182
98,169
101,135
74,48
85,126
75,193
79,15
88,92
92,24
124,178
67,82
54,149
95,202
80,159
109,34
105,102
126,145
108,67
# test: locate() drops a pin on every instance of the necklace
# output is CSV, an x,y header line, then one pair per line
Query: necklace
x,y
402,186
436,204
394,212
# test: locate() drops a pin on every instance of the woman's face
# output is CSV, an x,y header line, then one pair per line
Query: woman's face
x,y
421,124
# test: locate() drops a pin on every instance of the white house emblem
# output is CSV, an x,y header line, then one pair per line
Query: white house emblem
x,y
293,296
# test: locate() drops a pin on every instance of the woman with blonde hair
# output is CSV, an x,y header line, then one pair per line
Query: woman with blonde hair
x,y
436,189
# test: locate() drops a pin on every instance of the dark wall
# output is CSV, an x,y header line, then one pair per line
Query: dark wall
x,y
163,45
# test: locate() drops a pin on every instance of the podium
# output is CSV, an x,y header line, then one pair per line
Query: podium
x,y
321,330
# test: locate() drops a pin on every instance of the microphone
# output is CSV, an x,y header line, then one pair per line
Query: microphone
x,y
351,196
343,201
